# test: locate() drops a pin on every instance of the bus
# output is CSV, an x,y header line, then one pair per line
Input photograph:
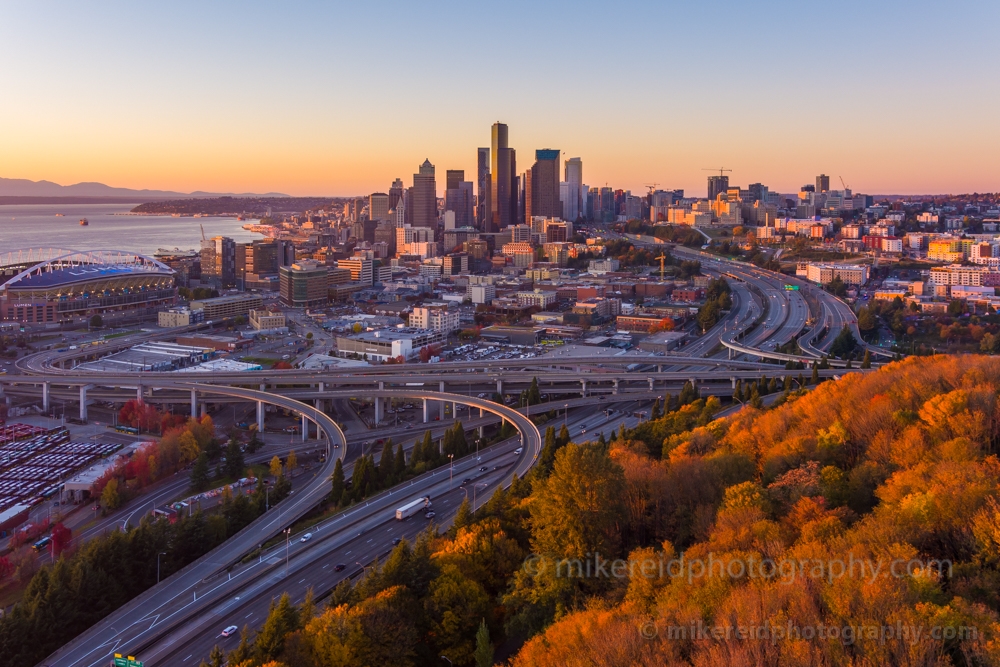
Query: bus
x,y
131,430
41,544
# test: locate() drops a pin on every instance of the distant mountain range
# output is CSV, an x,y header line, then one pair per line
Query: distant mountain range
x,y
20,187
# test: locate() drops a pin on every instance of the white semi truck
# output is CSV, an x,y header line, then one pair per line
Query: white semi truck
x,y
412,507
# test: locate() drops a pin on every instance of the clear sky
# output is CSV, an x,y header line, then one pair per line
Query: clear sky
x,y
339,98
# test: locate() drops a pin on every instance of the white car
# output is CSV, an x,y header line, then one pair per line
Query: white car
x,y
306,537
518,450
230,631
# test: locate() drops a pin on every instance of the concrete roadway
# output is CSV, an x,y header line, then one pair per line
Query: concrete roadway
x,y
167,606
340,541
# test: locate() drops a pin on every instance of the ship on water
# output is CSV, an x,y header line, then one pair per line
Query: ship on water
x,y
176,252
84,222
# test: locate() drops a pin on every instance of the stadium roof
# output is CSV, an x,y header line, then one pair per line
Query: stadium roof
x,y
80,267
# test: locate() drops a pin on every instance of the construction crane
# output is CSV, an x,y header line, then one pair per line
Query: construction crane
x,y
652,187
842,183
720,170
663,259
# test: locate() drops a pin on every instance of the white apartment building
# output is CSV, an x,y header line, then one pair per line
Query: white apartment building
x,y
435,319
481,293
956,274
851,274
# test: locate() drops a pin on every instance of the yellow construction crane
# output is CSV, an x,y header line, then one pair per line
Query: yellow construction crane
x,y
663,259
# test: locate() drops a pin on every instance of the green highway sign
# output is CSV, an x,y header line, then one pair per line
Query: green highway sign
x,y
121,661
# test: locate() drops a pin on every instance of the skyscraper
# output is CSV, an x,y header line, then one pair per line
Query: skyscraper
x,y
458,197
570,191
542,187
717,184
218,260
424,197
395,193
378,206
822,183
483,210
503,181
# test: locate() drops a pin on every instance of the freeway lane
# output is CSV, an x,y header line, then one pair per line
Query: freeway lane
x,y
96,644
165,607
311,564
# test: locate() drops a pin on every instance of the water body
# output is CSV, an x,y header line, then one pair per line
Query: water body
x,y
38,226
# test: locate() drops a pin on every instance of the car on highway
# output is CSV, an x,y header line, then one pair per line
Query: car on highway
x,y
339,567
306,537
396,541
482,469
230,631
430,515
466,481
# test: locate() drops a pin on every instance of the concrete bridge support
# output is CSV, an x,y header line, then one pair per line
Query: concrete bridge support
x,y
305,427
500,386
194,404
441,403
45,397
651,384
260,417
615,389
83,400
583,391
426,416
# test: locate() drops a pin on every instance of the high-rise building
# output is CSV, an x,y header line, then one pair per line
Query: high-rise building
x,y
822,183
359,205
424,197
218,261
717,184
483,210
570,194
458,198
396,194
542,186
378,206
303,284
360,268
503,181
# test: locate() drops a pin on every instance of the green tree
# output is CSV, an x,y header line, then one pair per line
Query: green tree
x,y
110,498
575,510
867,361
282,618
463,517
844,343
837,287
956,307
814,380
688,394
655,413
337,482
235,465
199,473
484,649
216,658
534,396
96,322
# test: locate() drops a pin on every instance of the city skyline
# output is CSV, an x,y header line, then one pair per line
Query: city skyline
x,y
260,100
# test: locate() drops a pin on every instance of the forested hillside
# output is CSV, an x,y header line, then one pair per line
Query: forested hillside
x,y
856,524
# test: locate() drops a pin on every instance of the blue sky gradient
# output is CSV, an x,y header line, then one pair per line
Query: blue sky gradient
x,y
340,98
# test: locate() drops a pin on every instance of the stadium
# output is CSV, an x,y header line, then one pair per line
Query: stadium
x,y
59,286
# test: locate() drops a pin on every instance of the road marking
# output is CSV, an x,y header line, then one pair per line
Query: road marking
x,y
301,581
248,615
187,658
369,541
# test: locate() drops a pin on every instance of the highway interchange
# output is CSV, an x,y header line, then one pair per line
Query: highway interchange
x,y
178,621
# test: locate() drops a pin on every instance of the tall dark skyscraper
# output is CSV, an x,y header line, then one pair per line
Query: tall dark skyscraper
x,y
395,193
542,187
503,181
424,197
822,183
458,197
717,184
483,210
